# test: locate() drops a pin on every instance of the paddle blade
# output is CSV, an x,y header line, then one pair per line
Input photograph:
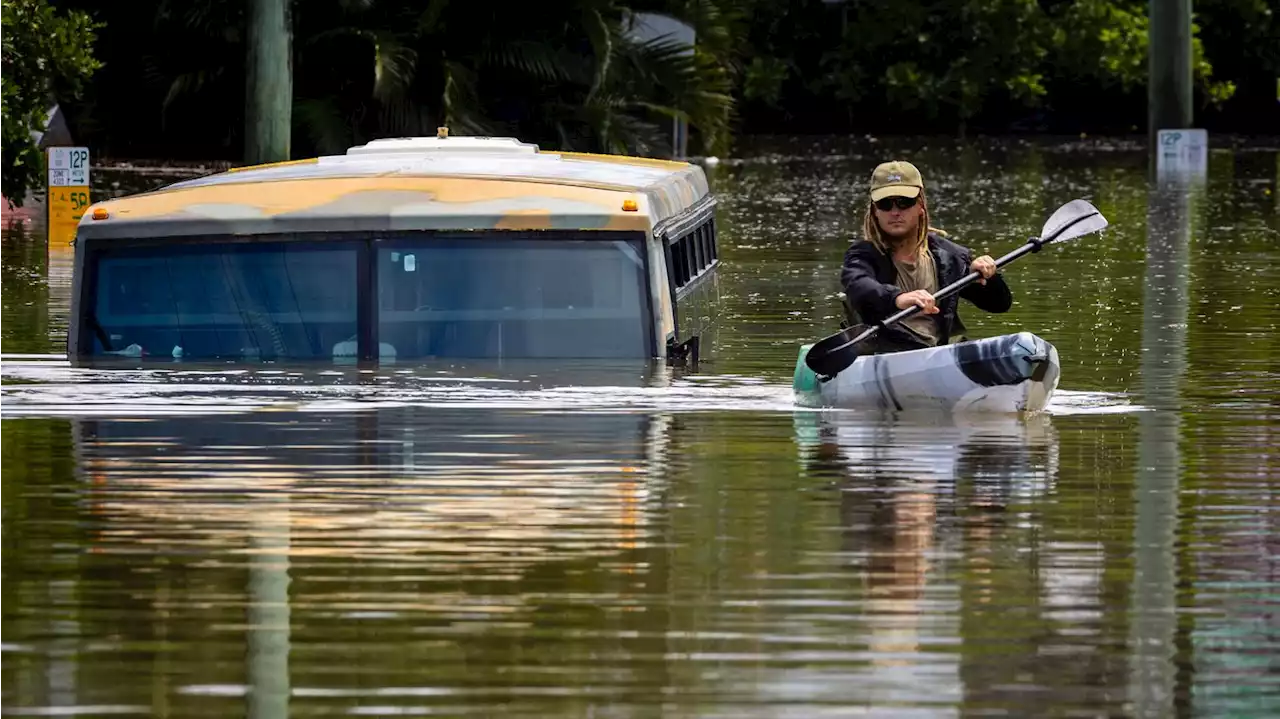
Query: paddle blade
x,y
1074,219
830,355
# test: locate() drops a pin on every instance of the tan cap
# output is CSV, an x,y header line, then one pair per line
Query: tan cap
x,y
895,179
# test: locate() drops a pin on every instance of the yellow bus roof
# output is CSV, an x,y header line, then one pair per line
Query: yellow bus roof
x,y
457,183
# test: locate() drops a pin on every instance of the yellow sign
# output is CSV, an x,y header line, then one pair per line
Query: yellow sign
x,y
68,196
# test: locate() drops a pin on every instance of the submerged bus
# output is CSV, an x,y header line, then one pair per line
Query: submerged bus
x,y
408,248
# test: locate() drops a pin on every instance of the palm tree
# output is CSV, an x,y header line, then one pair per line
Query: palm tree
x,y
567,75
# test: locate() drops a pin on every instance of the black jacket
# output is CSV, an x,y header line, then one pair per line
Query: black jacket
x,y
869,276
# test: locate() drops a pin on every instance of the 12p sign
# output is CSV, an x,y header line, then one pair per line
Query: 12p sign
x,y
68,192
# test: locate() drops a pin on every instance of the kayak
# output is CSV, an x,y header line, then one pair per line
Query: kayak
x,y
1009,373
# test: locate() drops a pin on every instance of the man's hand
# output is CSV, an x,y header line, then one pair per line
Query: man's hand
x,y
984,266
918,297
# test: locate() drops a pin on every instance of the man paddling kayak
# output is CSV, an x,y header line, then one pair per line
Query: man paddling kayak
x,y
902,262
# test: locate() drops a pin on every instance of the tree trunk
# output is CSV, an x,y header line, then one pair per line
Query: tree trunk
x,y
1169,67
268,82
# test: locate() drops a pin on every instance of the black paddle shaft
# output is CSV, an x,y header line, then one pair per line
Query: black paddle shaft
x,y
1033,245
828,362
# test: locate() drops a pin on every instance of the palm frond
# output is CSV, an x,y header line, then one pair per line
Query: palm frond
x,y
394,66
187,83
202,17
462,107
664,78
153,72
601,44
718,24
429,19
406,117
338,32
611,123
533,58
328,129
635,135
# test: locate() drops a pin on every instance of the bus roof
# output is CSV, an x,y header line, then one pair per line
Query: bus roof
x,y
453,183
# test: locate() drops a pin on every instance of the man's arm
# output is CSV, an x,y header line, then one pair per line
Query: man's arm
x,y
994,296
871,298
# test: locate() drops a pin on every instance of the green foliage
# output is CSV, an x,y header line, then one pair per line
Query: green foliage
x,y
47,56
1105,42
945,62
567,75
763,79
1215,93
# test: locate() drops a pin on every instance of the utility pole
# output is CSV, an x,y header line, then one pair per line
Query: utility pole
x,y
268,82
1169,66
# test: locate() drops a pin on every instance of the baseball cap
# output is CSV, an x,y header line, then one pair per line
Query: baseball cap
x,y
895,179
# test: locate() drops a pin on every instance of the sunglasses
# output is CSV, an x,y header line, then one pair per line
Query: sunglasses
x,y
885,204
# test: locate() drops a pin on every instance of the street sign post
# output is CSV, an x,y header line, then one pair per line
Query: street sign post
x,y
68,195
1182,153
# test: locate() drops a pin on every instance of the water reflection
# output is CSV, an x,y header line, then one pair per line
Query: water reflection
x,y
1001,456
268,626
985,585
60,281
1174,205
449,487
24,273
930,506
458,520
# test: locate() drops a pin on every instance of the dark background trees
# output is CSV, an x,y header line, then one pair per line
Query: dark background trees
x,y
567,75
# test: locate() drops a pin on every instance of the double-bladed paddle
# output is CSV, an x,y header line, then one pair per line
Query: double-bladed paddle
x,y
833,354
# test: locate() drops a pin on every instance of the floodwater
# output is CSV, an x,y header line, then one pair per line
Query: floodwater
x,y
626,540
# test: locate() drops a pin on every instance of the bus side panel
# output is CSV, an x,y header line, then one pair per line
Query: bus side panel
x,y
698,310
664,318
75,327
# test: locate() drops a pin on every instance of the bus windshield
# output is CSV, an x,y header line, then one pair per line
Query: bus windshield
x,y
512,298
464,296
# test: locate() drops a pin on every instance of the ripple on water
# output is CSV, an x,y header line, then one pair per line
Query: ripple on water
x,y
50,386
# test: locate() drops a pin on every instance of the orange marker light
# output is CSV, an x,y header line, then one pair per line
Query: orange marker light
x,y
630,206
100,214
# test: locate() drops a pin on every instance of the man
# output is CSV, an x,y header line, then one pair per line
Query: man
x,y
902,262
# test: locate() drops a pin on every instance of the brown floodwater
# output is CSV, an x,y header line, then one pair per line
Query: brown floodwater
x,y
623,539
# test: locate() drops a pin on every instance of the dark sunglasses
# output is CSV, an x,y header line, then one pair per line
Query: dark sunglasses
x,y
888,203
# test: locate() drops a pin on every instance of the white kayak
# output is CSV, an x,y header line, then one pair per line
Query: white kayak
x,y
1009,373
